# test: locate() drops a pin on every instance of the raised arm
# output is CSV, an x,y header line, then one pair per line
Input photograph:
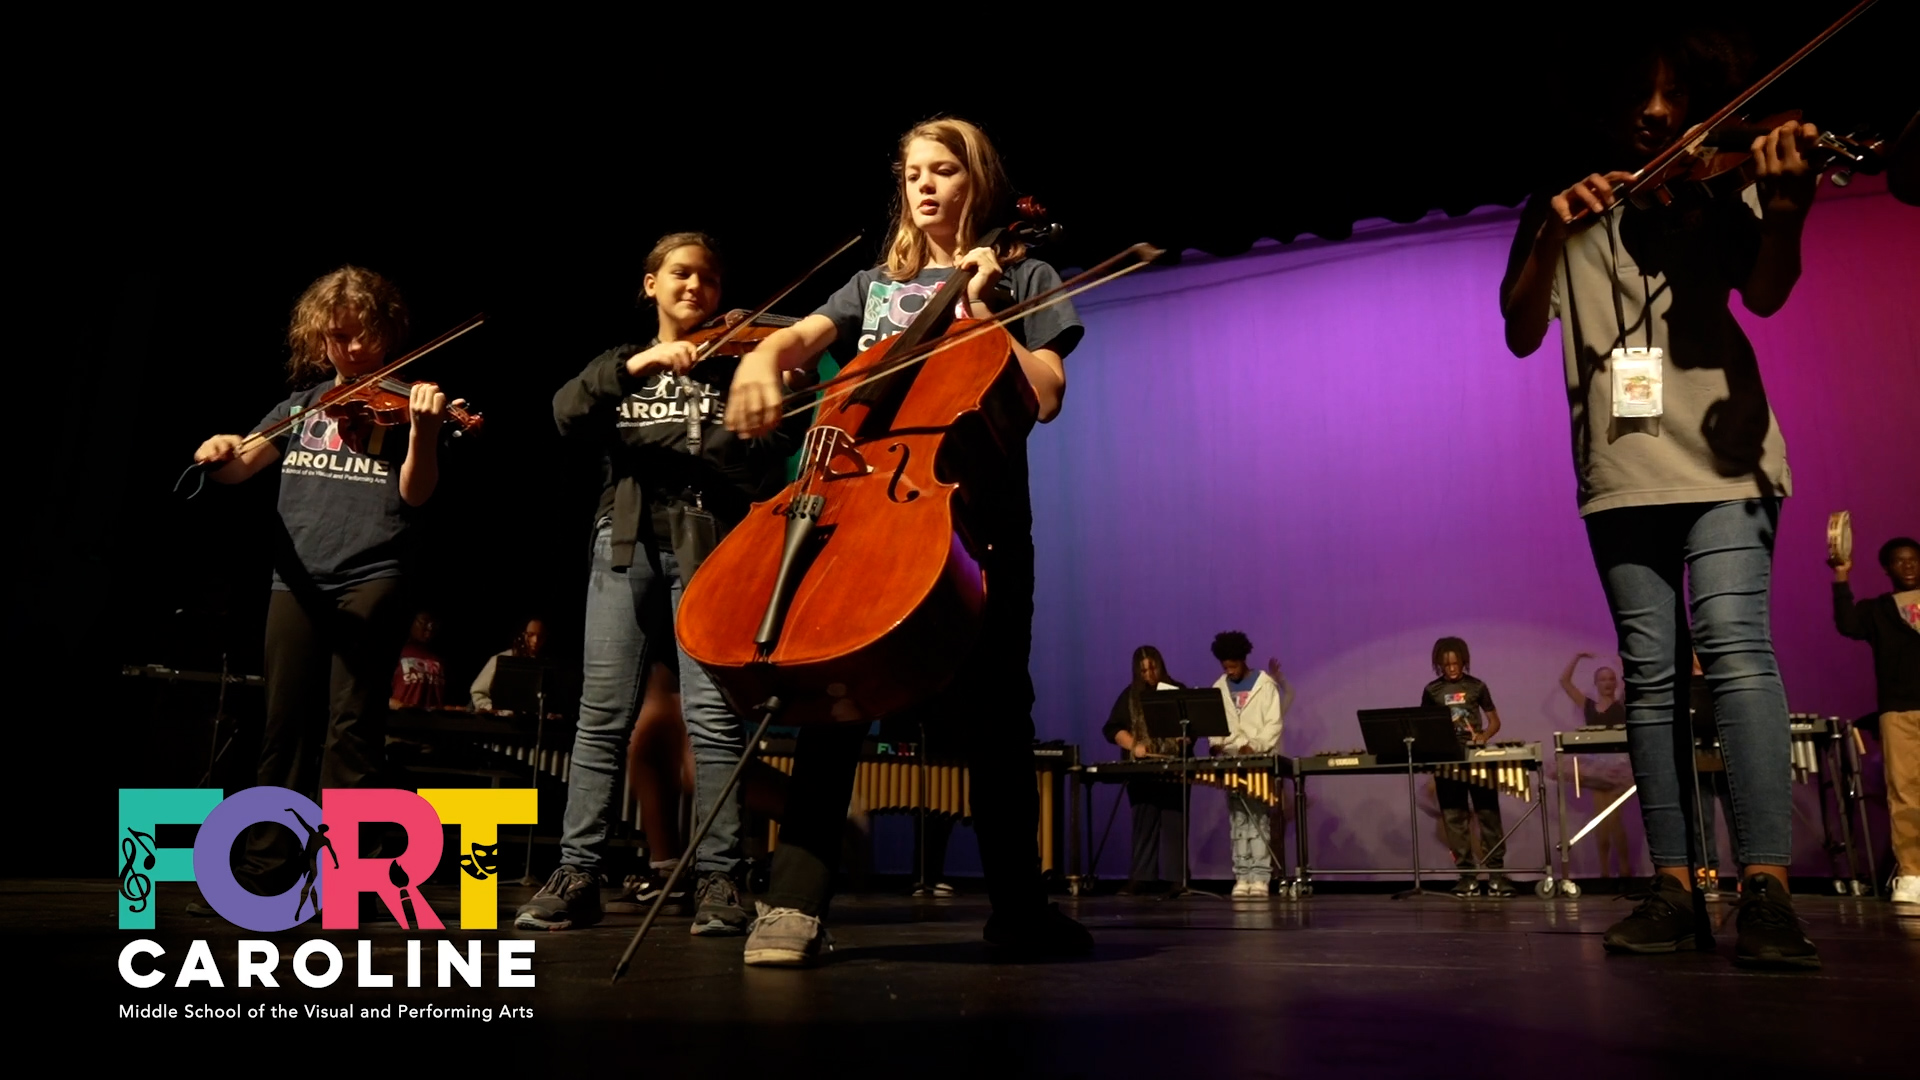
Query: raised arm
x,y
1846,614
1526,293
420,472
1574,693
1786,182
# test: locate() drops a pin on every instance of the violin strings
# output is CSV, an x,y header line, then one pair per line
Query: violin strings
x,y
1058,296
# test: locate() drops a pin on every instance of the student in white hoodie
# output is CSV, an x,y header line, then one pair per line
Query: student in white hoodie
x,y
1256,701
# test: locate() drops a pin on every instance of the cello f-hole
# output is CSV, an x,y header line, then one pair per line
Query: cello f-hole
x,y
893,486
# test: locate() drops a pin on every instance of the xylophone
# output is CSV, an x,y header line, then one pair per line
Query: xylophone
x,y
1256,776
1511,768
1504,767
892,777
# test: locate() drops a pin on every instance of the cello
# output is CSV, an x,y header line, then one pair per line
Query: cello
x,y
857,590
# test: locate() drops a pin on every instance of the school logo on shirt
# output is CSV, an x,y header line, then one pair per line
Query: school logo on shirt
x,y
662,400
894,303
323,452
320,432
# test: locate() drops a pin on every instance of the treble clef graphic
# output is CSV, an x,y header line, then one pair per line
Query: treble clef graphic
x,y
134,885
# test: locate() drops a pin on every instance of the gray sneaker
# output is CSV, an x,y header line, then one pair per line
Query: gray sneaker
x,y
716,907
570,900
786,937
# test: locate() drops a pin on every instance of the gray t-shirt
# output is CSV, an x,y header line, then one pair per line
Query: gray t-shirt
x,y
1663,278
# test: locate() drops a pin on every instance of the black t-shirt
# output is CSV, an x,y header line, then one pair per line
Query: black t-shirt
x,y
1614,714
1467,699
341,507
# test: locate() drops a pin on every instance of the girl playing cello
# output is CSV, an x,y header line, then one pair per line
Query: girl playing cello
x,y
952,189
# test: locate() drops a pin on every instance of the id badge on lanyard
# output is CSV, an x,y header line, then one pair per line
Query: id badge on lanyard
x,y
1637,377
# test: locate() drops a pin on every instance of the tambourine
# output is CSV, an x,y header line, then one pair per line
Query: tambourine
x,y
1840,536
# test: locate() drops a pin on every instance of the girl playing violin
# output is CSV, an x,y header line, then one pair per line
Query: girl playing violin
x,y
952,190
337,616
674,479
1682,470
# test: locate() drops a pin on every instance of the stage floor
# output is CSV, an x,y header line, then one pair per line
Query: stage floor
x,y
1335,985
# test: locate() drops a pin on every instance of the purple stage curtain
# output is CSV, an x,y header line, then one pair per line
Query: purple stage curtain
x,y
1328,446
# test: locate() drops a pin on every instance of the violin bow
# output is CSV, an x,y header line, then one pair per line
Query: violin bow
x,y
200,469
1107,271
713,346
1697,136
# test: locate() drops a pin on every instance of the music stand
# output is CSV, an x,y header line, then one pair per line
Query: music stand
x,y
520,687
1185,714
1419,735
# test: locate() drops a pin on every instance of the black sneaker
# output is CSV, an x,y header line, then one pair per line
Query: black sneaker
x,y
1770,934
1663,922
570,900
1499,887
1048,932
716,907
1468,885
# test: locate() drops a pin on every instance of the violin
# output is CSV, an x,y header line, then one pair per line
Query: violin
x,y
721,338
374,399
360,406
1714,156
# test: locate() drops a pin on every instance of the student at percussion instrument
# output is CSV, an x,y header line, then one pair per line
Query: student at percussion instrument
x,y
1681,492
1158,820
1256,703
420,679
1605,707
950,190
1475,721
338,613
526,645
1890,623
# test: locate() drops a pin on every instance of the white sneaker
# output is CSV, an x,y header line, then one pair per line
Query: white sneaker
x,y
786,937
1906,890
1242,888
1260,890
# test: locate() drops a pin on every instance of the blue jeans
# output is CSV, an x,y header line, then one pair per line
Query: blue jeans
x,y
1723,554
629,626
